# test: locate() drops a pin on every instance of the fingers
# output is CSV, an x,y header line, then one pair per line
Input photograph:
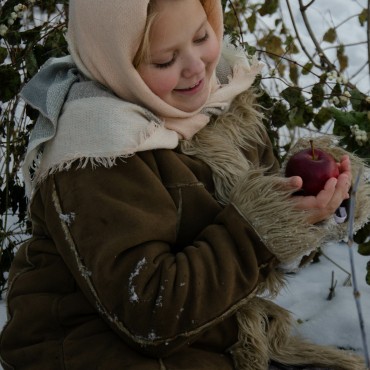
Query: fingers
x,y
292,184
328,198
325,203
331,196
345,167
345,163
344,185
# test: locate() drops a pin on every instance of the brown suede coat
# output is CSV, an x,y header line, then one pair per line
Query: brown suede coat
x,y
133,267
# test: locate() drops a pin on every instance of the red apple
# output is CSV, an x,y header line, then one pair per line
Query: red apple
x,y
314,166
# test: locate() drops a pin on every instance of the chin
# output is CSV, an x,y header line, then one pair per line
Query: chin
x,y
193,106
191,109
193,103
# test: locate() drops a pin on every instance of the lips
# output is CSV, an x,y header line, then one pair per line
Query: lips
x,y
191,87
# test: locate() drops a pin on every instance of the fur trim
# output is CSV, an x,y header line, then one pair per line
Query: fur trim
x,y
273,284
265,334
282,227
220,143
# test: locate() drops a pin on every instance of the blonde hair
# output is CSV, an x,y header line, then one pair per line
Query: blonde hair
x,y
143,53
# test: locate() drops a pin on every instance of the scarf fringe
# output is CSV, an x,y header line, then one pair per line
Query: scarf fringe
x,y
81,161
265,334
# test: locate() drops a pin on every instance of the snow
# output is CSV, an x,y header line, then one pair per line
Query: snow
x,y
68,218
335,321
133,296
332,322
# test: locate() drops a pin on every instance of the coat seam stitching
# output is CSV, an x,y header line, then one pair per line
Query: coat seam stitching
x,y
103,310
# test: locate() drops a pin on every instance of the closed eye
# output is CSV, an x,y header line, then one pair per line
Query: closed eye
x,y
165,65
202,39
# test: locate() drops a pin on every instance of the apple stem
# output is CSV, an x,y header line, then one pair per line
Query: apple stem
x,y
313,150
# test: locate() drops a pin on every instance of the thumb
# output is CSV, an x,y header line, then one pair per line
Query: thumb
x,y
294,182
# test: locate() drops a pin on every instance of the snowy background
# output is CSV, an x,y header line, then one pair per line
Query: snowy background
x,y
326,321
339,14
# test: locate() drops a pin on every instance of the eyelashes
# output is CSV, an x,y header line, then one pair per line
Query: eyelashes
x,y
167,64
172,61
202,39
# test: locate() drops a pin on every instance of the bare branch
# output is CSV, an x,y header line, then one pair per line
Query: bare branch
x,y
347,281
359,70
321,53
298,36
237,19
303,8
345,45
350,243
332,287
346,20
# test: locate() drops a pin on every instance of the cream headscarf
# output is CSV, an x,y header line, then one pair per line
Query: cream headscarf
x,y
103,38
82,121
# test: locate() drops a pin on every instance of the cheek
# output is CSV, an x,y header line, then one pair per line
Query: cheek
x,y
161,82
213,51
166,82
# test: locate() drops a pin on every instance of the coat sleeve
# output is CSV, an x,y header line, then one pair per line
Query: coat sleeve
x,y
116,228
283,228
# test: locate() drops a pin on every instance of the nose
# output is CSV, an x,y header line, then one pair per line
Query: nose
x,y
193,65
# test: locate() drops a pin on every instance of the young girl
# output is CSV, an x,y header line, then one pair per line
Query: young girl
x,y
159,215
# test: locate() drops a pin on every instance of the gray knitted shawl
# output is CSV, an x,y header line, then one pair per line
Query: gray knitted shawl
x,y
80,120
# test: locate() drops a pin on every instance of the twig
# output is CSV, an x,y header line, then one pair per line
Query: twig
x,y
308,5
347,282
238,21
298,36
350,243
345,45
321,52
359,70
344,21
332,287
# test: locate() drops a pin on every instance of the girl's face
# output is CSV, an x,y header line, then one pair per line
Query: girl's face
x,y
184,51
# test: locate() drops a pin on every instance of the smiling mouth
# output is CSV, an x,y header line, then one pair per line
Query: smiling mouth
x,y
191,88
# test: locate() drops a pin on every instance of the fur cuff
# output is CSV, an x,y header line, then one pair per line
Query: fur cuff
x,y
269,209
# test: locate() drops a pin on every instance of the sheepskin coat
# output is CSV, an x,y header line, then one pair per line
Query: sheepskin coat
x,y
157,261
132,266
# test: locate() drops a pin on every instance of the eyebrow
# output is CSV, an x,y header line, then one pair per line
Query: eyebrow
x,y
162,51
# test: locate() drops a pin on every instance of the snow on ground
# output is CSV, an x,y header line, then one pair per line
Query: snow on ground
x,y
323,321
335,321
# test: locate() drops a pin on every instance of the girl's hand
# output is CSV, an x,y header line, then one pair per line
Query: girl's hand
x,y
325,203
